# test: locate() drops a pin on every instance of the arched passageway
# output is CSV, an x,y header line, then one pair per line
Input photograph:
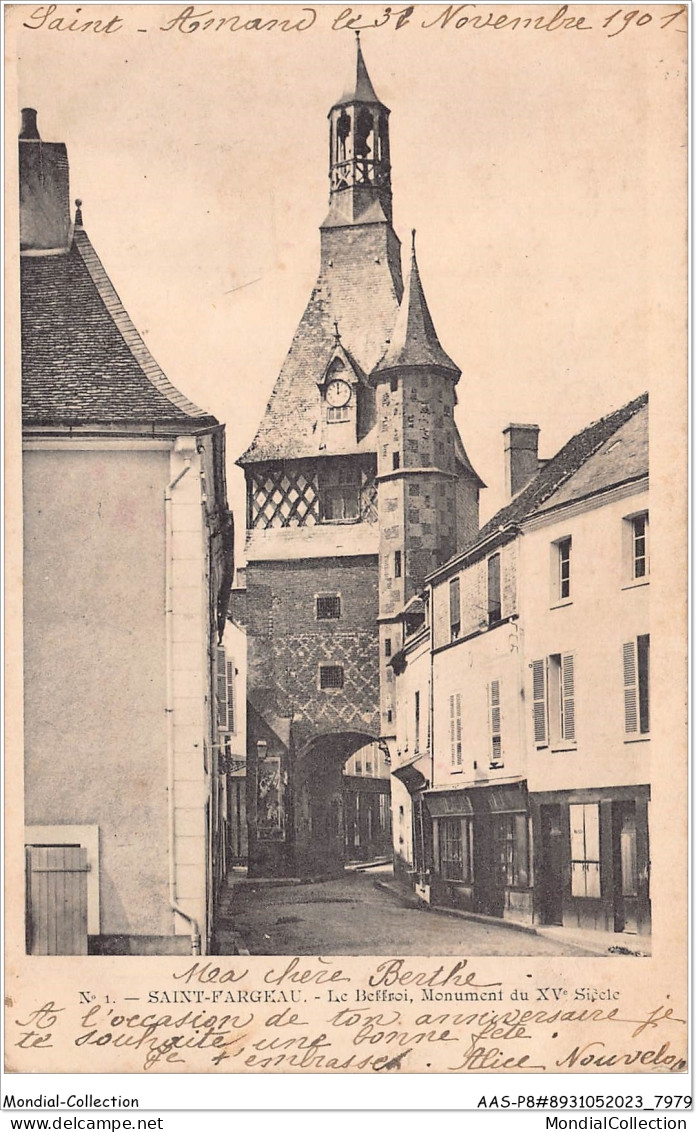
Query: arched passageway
x,y
338,817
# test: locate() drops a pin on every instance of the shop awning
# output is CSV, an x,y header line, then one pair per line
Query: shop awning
x,y
507,799
454,803
479,800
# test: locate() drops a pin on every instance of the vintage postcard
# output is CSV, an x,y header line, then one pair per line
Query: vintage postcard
x,y
346,432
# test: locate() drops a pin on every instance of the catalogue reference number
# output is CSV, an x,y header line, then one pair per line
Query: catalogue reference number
x,y
665,1101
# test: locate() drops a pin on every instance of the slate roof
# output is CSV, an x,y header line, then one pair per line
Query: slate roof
x,y
361,294
545,490
610,451
414,341
362,89
83,361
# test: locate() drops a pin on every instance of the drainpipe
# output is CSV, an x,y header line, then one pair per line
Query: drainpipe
x,y
169,711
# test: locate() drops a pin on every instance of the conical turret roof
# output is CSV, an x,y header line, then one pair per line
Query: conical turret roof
x,y
414,341
360,89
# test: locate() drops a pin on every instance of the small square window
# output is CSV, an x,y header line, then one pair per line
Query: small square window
x,y
387,646
328,607
330,676
336,413
396,460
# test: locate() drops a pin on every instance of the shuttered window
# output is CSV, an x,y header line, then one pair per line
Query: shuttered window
x,y
230,695
221,688
567,676
494,602
636,678
539,705
553,699
630,673
456,729
496,754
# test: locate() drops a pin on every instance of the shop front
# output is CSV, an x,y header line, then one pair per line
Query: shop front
x,y
592,858
481,850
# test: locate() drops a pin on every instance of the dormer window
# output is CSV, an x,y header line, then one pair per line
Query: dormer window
x,y
338,393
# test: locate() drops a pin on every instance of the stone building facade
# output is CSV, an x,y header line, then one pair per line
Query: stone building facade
x,y
358,485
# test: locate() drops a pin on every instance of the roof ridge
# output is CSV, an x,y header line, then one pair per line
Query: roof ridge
x,y
601,439
616,419
129,333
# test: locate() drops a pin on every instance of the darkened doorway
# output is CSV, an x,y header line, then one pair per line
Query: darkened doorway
x,y
551,873
625,854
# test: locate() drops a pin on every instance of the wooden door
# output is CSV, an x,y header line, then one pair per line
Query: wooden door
x,y
57,900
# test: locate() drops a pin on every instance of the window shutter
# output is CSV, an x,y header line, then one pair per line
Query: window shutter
x,y
230,695
539,701
494,717
630,676
568,693
452,731
221,688
494,691
459,729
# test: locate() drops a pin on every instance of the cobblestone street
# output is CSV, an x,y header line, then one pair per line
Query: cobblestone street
x,y
355,915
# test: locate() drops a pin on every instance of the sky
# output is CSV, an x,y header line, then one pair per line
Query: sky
x,y
544,170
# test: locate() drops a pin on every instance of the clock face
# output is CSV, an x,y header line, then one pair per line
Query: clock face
x,y
338,394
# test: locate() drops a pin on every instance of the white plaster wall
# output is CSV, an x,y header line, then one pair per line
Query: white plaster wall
x,y
605,611
190,667
467,668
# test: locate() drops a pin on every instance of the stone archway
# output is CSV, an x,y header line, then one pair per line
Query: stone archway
x,y
320,842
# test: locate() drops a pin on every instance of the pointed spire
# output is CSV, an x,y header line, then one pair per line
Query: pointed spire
x,y
414,341
78,213
361,88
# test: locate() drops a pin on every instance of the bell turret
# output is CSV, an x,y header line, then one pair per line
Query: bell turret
x,y
359,167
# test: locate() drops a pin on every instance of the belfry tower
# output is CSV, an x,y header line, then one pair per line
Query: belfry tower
x,y
357,486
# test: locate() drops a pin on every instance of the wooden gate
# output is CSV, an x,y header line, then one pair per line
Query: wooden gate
x,y
57,900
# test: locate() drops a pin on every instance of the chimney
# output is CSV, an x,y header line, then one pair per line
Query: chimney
x,y
521,455
44,191
29,130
